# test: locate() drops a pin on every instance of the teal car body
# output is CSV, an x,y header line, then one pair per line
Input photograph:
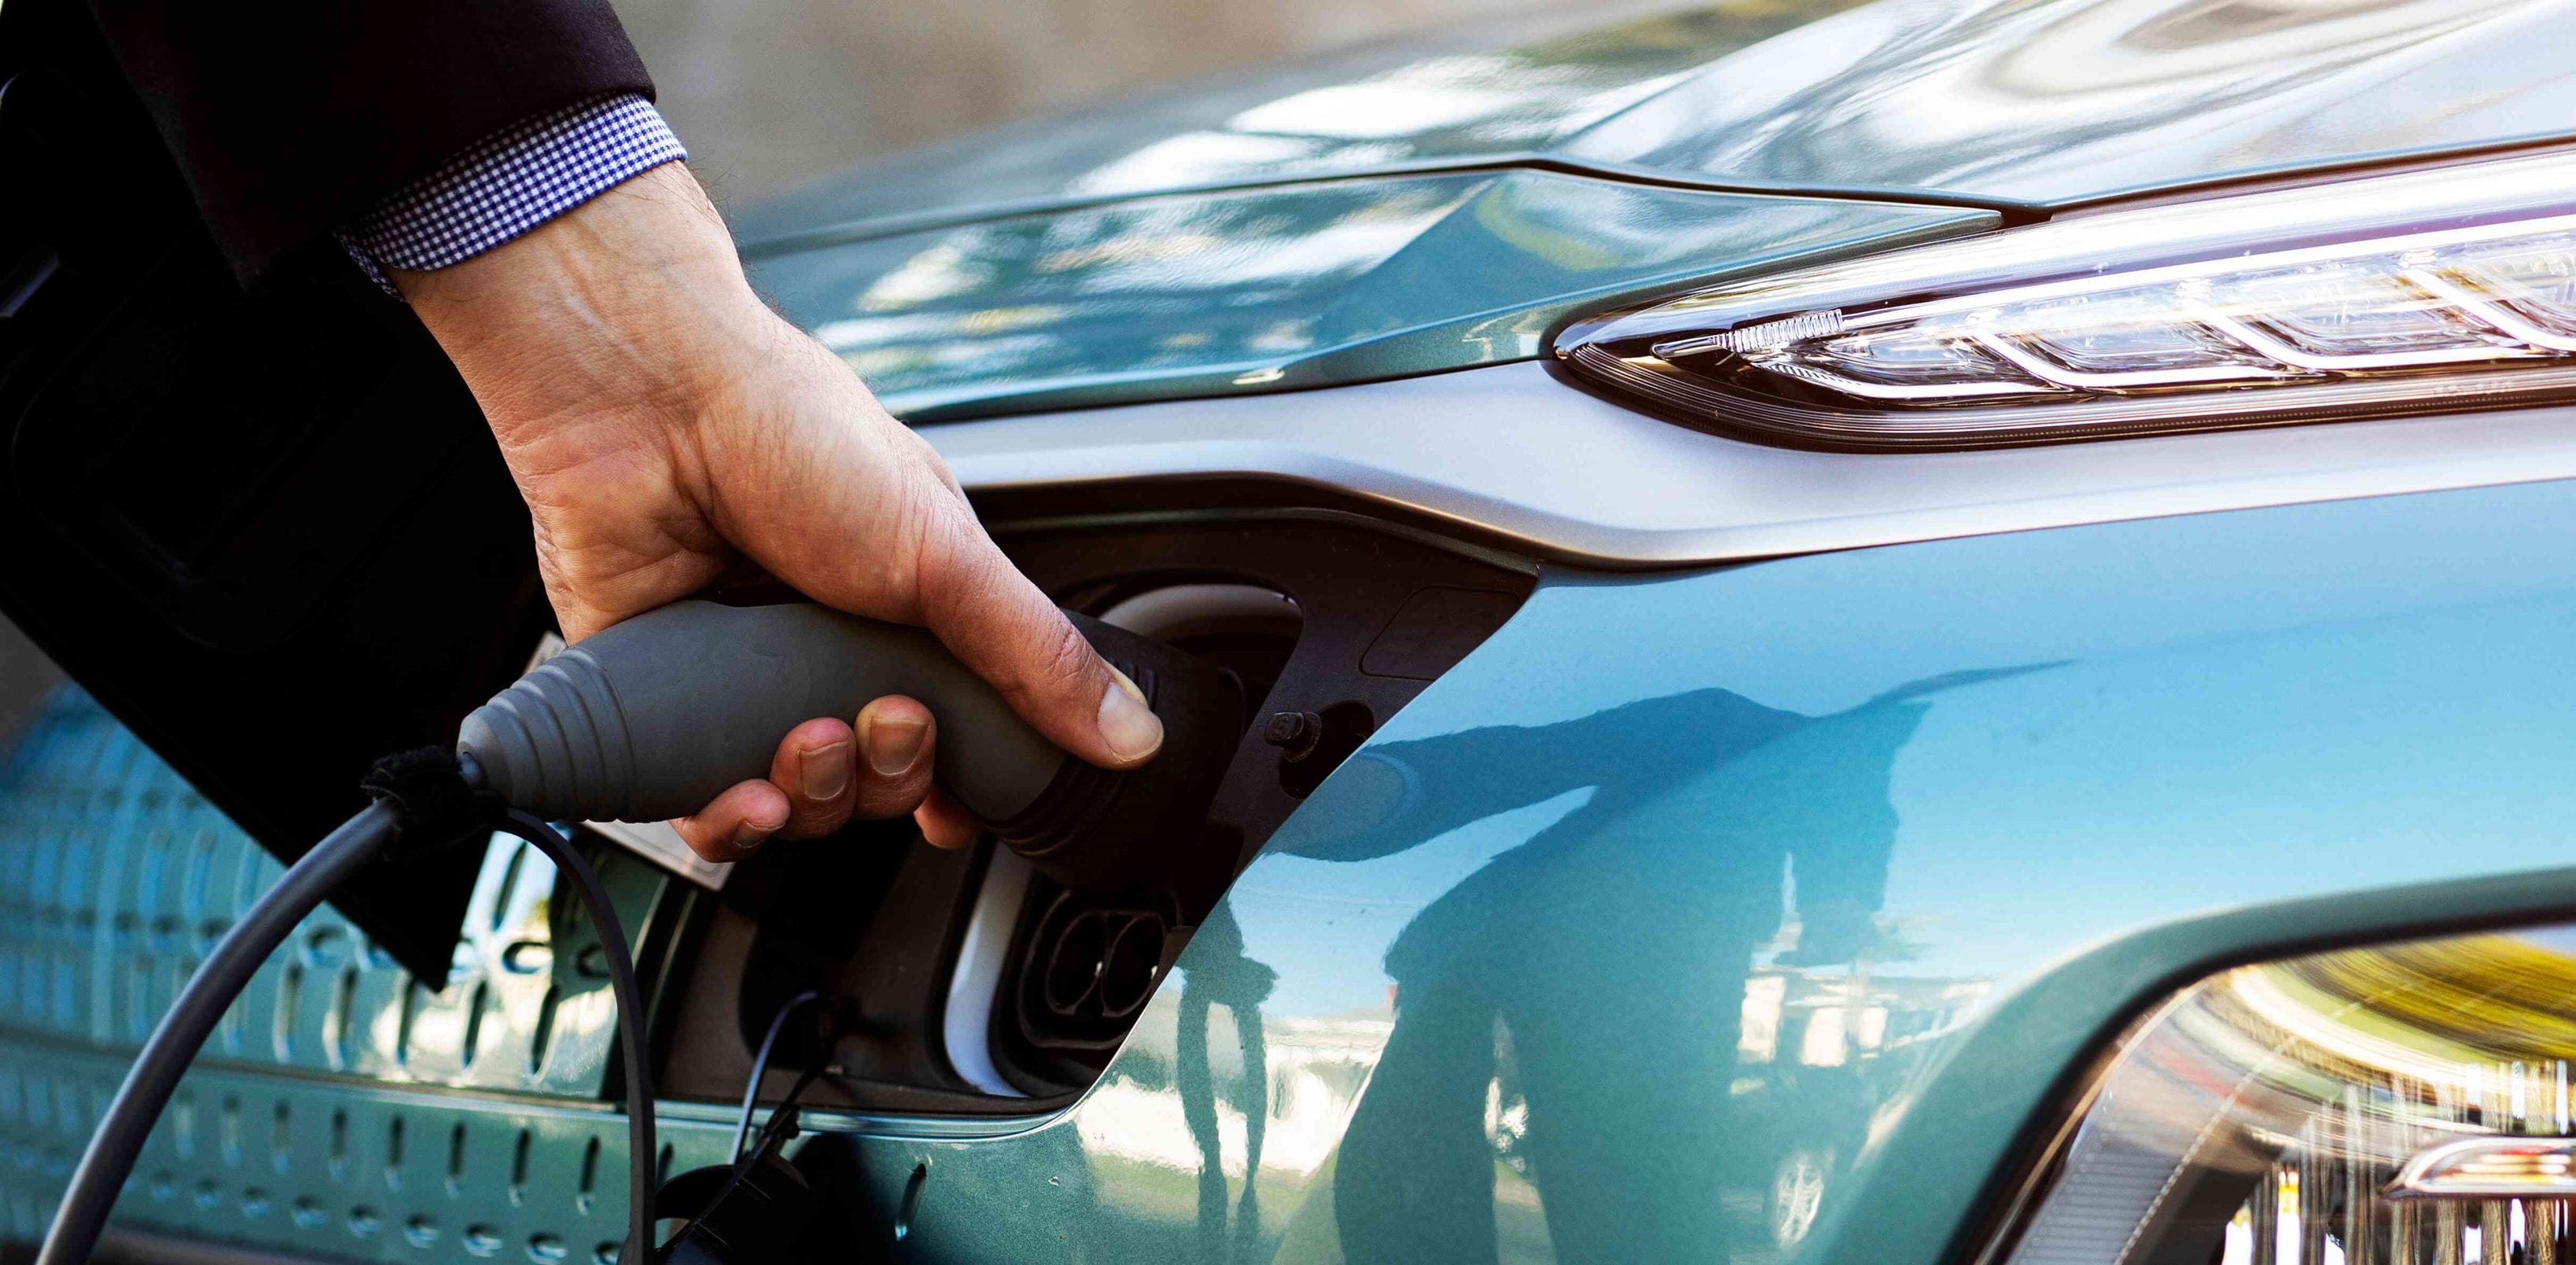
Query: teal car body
x,y
1423,208
1759,900
2068,769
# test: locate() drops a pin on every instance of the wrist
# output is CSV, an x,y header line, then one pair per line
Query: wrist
x,y
631,307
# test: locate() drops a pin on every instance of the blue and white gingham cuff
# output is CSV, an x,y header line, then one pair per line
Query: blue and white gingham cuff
x,y
508,183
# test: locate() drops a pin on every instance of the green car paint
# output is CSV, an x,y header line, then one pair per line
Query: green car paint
x,y
1482,94
341,1107
1813,878
1278,288
1749,914
1438,204
2029,103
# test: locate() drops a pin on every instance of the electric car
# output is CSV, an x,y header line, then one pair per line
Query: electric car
x,y
1937,632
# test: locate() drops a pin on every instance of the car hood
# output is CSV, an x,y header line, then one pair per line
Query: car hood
x,y
2018,102
1439,203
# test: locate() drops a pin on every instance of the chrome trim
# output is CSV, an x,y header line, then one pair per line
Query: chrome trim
x,y
1512,454
1963,389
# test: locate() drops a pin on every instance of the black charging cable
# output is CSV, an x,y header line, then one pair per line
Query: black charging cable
x,y
760,1066
691,1244
192,1017
423,800
643,1163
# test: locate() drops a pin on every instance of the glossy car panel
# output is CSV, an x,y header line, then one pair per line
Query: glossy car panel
x,y
2074,100
325,1114
1083,274
2003,100
1812,876
1472,93
1300,286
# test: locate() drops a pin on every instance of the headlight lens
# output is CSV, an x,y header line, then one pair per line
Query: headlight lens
x,y
2404,1104
2442,289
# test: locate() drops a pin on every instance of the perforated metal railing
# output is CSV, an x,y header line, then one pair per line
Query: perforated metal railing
x,y
344,1109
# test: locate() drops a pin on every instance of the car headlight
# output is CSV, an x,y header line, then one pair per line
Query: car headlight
x,y
2430,290
2404,1104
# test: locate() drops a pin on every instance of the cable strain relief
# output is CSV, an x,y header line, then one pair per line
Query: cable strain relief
x,y
438,801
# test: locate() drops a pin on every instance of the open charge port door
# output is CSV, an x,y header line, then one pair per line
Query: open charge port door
x,y
979,985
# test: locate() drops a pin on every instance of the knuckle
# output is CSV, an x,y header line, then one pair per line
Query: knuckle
x,y
879,800
1064,662
811,819
710,844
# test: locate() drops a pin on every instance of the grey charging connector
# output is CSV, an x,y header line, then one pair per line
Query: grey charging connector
x,y
654,717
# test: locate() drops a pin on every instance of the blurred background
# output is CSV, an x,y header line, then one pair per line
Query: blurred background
x,y
770,93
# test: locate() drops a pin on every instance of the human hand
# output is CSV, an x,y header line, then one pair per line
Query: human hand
x,y
668,430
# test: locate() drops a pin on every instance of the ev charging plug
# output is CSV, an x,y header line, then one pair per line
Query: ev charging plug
x,y
651,718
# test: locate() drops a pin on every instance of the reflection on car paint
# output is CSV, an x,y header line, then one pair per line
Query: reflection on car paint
x,y
2006,99
1338,280
1522,948
1465,93
1623,870
2079,99
1281,288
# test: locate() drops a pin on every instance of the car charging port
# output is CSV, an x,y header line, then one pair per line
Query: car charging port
x,y
987,979
1089,958
1098,962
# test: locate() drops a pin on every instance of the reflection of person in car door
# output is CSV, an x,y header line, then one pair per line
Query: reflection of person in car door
x,y
1612,950
1224,977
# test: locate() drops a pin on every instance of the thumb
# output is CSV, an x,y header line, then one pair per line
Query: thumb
x,y
997,623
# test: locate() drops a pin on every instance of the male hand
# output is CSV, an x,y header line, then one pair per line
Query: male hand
x,y
669,430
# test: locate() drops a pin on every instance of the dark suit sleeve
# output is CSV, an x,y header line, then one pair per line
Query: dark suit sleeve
x,y
288,116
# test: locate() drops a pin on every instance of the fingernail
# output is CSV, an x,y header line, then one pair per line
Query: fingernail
x,y
748,836
1127,725
826,771
893,745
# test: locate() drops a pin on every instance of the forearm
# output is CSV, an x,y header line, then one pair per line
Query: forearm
x,y
288,118
648,264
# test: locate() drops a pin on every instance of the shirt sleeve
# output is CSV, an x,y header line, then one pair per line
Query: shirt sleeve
x,y
510,182
288,118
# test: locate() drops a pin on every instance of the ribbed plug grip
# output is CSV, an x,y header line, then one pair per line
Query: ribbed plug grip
x,y
652,718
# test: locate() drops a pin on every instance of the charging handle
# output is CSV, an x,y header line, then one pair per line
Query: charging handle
x,y
653,717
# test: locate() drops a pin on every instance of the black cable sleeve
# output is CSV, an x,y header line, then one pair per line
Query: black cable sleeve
x,y
760,1067
644,1159
439,800
193,1014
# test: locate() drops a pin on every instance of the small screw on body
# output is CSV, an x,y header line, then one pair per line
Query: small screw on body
x,y
1294,733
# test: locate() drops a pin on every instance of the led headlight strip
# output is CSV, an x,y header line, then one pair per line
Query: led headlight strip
x,y
2404,1104
2427,291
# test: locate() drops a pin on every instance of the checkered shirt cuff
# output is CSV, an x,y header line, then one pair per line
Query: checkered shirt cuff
x,y
508,183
